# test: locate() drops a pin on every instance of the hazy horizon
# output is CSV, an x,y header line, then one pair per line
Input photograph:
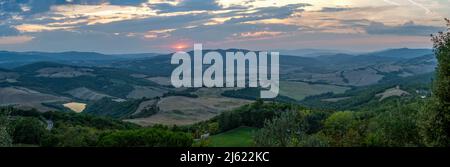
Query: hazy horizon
x,y
191,49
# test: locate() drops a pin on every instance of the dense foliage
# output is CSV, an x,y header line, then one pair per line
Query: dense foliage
x,y
115,109
252,115
63,129
73,119
5,138
154,137
394,123
28,130
282,130
436,116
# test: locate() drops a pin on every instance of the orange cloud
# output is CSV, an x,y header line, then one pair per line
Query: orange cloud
x,y
260,34
38,28
158,33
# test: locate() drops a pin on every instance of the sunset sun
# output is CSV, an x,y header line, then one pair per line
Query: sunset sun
x,y
179,46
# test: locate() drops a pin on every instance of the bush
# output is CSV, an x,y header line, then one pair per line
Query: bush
x,y
68,136
282,131
396,127
28,130
253,115
315,140
344,129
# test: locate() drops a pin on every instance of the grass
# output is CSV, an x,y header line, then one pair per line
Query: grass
x,y
239,137
300,90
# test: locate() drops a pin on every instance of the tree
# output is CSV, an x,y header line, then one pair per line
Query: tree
x,y
28,130
5,138
435,126
344,129
282,131
314,140
146,137
229,120
71,136
395,127
213,128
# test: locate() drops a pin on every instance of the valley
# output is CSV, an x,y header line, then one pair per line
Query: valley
x,y
138,89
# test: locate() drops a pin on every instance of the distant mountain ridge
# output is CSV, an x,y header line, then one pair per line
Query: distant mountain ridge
x,y
314,52
402,53
15,59
393,53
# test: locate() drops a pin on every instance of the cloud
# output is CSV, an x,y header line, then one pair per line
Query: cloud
x,y
195,26
221,32
138,25
28,7
127,2
155,34
99,14
408,28
149,24
187,5
259,34
7,31
333,9
38,28
268,13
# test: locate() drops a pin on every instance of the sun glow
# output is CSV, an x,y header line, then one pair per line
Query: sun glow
x,y
179,47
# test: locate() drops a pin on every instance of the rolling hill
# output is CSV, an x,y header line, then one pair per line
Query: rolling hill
x,y
16,59
136,87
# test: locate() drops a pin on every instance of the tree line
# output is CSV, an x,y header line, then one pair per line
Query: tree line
x,y
64,129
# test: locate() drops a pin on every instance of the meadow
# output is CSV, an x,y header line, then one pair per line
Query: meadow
x,y
239,137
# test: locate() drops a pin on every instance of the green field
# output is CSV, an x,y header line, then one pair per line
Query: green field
x,y
300,90
239,137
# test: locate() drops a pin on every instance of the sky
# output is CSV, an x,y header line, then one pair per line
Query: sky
x,y
137,26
